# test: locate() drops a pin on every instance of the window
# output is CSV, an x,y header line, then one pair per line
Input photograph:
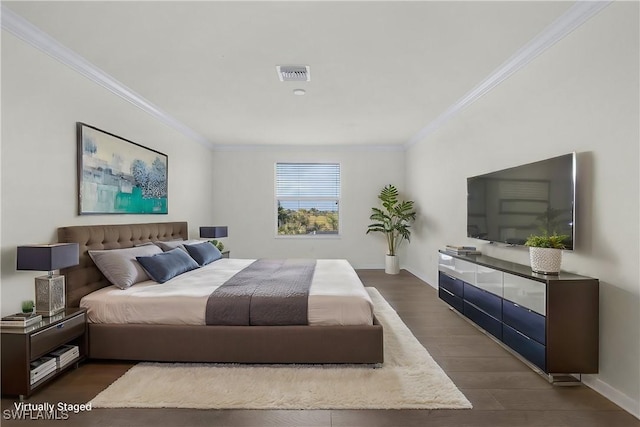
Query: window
x,y
307,198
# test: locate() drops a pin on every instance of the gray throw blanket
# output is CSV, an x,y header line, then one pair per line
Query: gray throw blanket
x,y
267,292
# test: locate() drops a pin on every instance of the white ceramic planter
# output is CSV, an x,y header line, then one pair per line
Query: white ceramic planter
x,y
392,264
545,260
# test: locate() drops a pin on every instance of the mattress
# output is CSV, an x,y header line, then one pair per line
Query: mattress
x,y
336,297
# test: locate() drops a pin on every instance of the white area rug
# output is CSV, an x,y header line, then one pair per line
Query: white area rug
x,y
409,378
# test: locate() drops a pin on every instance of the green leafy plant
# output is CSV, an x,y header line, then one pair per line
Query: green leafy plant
x,y
218,244
554,241
393,219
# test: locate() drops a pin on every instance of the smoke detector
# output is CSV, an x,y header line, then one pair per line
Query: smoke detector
x,y
294,73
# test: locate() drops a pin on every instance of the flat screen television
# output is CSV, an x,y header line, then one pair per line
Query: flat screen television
x,y
509,205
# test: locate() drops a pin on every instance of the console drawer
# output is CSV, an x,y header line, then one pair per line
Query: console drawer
x,y
482,319
484,300
451,299
525,292
531,350
449,283
524,320
489,280
48,339
458,268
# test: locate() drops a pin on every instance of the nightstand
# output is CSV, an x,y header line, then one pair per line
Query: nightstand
x,y
225,254
21,346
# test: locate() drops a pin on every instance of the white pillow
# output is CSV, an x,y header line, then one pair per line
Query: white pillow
x,y
120,266
172,244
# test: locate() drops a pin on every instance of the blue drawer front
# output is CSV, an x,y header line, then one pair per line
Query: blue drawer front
x,y
453,300
488,302
449,283
482,319
524,320
531,350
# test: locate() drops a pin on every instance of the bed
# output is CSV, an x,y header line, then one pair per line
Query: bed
x,y
318,342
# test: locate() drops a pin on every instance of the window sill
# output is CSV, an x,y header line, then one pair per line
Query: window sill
x,y
309,236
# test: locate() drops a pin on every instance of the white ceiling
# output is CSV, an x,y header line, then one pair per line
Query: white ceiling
x,y
380,71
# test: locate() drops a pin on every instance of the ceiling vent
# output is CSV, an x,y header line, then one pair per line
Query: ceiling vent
x,y
294,73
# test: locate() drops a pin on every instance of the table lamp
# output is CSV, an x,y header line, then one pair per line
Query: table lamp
x,y
214,232
50,290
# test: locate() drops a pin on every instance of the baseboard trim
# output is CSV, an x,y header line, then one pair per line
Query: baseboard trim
x,y
622,400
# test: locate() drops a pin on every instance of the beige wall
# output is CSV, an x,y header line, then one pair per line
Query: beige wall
x,y
245,201
41,102
581,95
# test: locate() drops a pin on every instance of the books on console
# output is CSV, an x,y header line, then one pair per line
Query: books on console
x,y
20,320
462,250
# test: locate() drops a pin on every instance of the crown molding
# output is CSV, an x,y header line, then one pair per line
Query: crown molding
x,y
29,33
577,15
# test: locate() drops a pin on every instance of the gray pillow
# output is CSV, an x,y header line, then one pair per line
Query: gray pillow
x,y
167,265
203,254
172,244
120,267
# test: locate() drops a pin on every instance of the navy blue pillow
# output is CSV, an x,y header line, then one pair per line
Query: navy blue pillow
x,y
164,266
204,253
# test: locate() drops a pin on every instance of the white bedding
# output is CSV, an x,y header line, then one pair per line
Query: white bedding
x,y
336,297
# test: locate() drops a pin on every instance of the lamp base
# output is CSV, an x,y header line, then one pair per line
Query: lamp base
x,y
49,295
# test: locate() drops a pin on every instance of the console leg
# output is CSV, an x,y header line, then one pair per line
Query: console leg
x,y
565,380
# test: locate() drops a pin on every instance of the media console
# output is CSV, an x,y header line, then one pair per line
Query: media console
x,y
550,320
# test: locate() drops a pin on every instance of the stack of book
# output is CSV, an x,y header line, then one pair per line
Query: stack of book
x,y
20,320
462,250
65,355
42,367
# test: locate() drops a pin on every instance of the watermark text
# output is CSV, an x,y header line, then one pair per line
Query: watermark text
x,y
44,410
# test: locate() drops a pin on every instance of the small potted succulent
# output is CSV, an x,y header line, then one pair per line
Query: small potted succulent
x,y
27,306
545,252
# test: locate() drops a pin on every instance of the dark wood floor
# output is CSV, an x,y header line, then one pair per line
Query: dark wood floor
x,y
503,391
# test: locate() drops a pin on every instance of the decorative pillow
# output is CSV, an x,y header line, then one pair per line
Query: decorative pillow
x,y
172,244
167,265
203,253
145,244
120,267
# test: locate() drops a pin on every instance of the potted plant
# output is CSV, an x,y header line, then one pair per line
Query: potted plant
x,y
393,221
27,306
545,252
218,244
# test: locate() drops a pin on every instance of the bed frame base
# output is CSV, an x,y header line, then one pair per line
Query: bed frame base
x,y
237,344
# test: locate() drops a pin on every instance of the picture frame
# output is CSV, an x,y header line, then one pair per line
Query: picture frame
x,y
119,176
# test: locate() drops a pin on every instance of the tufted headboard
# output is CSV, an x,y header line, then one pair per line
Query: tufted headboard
x,y
85,277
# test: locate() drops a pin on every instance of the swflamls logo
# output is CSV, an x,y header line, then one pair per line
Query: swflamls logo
x,y
43,411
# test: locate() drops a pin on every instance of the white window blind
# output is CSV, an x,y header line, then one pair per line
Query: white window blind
x,y
308,198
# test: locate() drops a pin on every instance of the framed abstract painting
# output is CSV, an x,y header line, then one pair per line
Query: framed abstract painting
x,y
118,176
